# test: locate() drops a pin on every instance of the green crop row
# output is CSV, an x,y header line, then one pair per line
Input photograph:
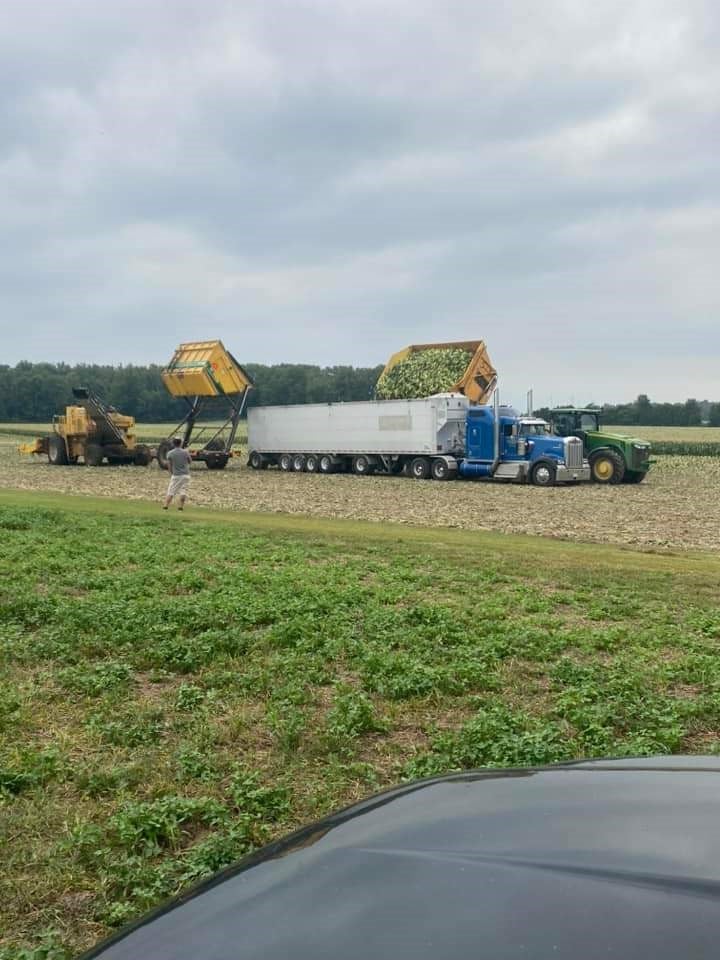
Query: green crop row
x,y
683,448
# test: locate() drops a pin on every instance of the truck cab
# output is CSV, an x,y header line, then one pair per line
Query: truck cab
x,y
509,447
613,457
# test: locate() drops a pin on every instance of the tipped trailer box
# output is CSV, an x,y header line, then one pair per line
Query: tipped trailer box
x,y
441,437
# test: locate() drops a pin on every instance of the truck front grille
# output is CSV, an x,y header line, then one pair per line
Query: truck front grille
x,y
573,452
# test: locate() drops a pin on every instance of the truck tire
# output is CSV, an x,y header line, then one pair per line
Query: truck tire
x,y
257,461
440,469
94,455
298,463
634,476
326,464
311,463
143,455
543,474
217,463
606,466
285,462
57,451
420,468
362,466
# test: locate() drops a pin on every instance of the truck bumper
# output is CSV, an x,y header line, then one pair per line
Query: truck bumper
x,y
565,474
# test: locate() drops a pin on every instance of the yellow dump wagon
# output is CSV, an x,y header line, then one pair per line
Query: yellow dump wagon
x,y
204,369
480,377
211,382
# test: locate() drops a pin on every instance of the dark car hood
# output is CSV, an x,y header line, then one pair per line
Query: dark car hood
x,y
601,859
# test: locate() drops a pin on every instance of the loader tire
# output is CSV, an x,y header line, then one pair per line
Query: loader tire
x,y
143,455
57,451
93,455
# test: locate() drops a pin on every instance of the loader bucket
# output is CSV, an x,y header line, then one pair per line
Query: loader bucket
x,y
204,369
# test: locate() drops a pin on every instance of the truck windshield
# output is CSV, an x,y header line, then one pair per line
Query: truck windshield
x,y
533,429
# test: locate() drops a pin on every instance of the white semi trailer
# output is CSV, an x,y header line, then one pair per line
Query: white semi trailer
x,y
442,436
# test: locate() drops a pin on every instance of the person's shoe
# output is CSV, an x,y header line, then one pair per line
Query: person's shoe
x,y
164,508
180,508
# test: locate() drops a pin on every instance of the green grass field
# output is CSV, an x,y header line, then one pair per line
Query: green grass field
x,y
178,689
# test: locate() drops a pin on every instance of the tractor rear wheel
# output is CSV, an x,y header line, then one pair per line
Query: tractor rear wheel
x,y
634,476
607,466
57,451
94,455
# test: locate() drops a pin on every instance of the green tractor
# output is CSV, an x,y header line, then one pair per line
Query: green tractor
x,y
613,458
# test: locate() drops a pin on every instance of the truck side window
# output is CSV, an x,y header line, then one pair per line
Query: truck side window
x,y
507,429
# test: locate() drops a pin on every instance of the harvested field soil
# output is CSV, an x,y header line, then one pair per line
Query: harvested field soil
x,y
678,507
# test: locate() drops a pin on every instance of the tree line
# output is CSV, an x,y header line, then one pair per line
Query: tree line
x,y
644,413
34,392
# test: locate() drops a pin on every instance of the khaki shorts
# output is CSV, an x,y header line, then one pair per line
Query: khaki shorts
x,y
178,486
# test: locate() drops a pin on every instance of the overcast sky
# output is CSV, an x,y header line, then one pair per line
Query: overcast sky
x,y
326,181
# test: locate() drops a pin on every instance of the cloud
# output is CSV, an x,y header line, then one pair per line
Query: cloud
x,y
326,181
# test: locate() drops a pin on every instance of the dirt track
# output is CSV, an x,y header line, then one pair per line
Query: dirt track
x,y
677,507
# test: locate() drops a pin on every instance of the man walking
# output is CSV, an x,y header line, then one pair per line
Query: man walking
x,y
179,466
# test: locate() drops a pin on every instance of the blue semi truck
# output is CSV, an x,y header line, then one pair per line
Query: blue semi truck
x,y
440,437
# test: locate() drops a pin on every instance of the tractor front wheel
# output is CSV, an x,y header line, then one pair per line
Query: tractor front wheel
x,y
607,466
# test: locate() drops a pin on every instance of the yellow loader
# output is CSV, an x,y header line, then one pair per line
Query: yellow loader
x,y
91,431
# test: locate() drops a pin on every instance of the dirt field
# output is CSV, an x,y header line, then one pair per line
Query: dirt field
x,y
677,507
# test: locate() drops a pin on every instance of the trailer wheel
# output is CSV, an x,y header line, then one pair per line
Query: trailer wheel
x,y
217,463
311,463
420,468
362,466
440,469
257,461
298,462
94,455
57,451
143,455
163,449
285,462
326,464
542,474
